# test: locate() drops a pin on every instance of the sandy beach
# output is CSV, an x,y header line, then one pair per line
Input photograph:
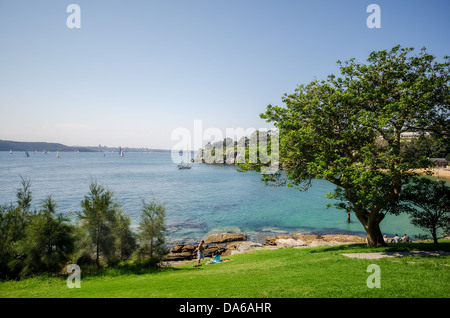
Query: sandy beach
x,y
441,173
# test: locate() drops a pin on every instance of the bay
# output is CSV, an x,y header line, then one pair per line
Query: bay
x,y
201,200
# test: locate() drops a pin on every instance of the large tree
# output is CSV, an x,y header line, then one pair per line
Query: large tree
x,y
347,129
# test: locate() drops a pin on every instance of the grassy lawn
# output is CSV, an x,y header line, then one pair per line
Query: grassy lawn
x,y
279,273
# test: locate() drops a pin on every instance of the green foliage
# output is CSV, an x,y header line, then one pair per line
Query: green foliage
x,y
45,242
126,237
347,129
433,146
258,152
12,230
33,243
99,218
151,230
48,241
24,197
428,203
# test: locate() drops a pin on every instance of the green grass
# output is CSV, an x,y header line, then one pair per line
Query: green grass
x,y
280,273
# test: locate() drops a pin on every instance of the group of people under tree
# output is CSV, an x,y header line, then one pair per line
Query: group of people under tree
x,y
397,239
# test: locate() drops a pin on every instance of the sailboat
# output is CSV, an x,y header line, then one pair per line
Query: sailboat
x,y
58,155
120,152
10,152
26,154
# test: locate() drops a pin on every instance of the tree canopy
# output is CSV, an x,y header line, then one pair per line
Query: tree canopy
x,y
347,129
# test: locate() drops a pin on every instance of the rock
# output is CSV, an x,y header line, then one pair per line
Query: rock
x,y
272,240
188,248
179,256
189,252
231,247
177,248
210,250
290,242
306,237
225,237
246,246
343,238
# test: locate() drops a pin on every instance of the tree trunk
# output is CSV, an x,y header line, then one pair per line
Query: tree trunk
x,y
374,235
371,223
434,234
98,248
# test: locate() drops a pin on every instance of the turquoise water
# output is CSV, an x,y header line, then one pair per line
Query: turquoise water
x,y
206,198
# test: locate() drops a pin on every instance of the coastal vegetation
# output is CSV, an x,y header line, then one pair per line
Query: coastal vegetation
x,y
347,130
428,204
151,232
34,242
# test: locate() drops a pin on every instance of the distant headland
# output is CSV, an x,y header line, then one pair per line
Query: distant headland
x,y
9,145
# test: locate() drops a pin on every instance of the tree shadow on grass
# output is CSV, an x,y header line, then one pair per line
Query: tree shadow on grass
x,y
391,247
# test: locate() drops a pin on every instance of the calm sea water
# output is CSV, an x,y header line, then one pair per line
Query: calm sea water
x,y
206,198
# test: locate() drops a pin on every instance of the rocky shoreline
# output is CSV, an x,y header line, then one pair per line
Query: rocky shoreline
x,y
232,243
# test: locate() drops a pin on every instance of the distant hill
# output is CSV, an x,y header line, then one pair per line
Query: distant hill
x,y
7,145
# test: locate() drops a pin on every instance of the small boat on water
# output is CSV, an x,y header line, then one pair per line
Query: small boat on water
x,y
58,155
184,166
27,154
120,152
10,152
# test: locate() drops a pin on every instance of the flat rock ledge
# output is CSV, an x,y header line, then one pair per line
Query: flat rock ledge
x,y
233,243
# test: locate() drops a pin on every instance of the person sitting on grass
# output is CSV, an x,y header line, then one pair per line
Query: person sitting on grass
x,y
405,238
216,258
396,239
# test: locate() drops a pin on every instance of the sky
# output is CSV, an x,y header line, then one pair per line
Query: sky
x,y
136,71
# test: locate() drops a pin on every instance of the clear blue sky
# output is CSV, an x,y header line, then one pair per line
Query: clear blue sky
x,y
136,70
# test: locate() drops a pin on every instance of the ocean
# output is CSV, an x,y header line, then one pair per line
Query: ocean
x,y
201,200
